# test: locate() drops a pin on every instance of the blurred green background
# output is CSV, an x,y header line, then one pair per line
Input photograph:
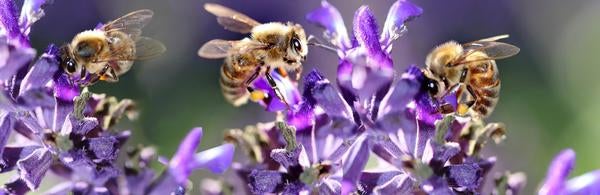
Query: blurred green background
x,y
549,97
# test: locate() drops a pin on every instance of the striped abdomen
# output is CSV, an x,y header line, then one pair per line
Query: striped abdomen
x,y
234,73
485,82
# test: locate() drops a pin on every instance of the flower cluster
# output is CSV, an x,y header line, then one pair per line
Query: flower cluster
x,y
372,113
49,124
326,139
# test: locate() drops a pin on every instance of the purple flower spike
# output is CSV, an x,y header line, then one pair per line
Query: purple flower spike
x,y
33,167
9,19
558,172
330,18
186,160
402,11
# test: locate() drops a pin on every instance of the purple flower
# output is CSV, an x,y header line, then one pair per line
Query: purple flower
x,y
556,179
187,160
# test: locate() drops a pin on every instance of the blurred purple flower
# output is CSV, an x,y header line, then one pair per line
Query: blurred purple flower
x,y
556,179
187,160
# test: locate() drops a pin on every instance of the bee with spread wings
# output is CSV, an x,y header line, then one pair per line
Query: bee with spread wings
x,y
270,46
471,69
109,51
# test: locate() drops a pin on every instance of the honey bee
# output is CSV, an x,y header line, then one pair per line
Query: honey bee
x,y
270,46
470,70
109,51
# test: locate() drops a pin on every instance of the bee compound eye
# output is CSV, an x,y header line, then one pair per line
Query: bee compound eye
x,y
432,86
296,45
70,66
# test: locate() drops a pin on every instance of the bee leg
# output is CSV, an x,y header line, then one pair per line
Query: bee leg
x,y
274,86
255,95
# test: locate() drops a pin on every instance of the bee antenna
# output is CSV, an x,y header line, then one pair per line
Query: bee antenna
x,y
318,43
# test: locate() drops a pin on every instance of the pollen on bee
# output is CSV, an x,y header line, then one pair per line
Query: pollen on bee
x,y
462,109
257,95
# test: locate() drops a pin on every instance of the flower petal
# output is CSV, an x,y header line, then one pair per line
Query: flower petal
x,y
401,12
285,158
33,167
18,58
7,123
366,33
559,170
78,126
441,154
64,89
330,18
216,159
588,183
354,162
31,12
8,18
39,97
329,99
401,93
399,183
16,186
11,155
182,162
39,74
468,176
103,149
264,181
285,85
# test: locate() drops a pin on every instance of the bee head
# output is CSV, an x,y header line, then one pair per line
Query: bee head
x,y
67,61
297,46
433,84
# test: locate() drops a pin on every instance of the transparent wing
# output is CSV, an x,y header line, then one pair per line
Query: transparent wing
x,y
218,48
148,48
145,48
231,19
489,39
131,23
493,50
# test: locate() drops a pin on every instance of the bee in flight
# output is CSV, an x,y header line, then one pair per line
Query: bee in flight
x,y
470,70
270,46
109,51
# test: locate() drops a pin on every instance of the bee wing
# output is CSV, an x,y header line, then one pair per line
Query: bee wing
x,y
489,39
494,50
131,23
218,48
231,19
148,48
145,48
